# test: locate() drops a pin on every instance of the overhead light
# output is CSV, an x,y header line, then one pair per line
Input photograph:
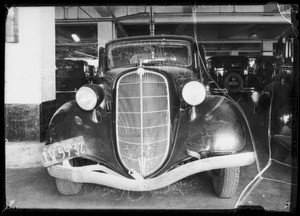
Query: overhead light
x,y
75,37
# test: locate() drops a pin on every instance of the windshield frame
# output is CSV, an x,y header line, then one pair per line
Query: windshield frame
x,y
158,41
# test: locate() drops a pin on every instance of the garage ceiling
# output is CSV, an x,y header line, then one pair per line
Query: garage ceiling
x,y
217,22
213,24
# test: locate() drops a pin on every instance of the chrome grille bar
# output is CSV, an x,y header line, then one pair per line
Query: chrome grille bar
x,y
142,121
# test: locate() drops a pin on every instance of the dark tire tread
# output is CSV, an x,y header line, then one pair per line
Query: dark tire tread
x,y
66,187
225,183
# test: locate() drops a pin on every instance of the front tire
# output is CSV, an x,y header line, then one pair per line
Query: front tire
x,y
225,181
68,188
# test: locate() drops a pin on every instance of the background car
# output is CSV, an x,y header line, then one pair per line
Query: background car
x,y
276,102
70,76
230,74
264,71
149,122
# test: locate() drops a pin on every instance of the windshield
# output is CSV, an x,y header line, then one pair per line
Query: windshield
x,y
228,62
149,52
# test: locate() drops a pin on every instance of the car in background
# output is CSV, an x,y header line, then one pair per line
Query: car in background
x,y
149,122
264,70
70,76
277,98
230,74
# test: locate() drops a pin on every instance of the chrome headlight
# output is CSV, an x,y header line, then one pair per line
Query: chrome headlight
x,y
89,96
194,93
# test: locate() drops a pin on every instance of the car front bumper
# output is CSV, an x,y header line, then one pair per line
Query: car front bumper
x,y
107,177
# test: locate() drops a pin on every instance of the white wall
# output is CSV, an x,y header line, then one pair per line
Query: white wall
x,y
30,63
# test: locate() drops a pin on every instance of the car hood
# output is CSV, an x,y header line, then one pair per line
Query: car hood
x,y
173,73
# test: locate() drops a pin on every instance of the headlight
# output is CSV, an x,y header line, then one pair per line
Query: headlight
x,y
194,93
89,96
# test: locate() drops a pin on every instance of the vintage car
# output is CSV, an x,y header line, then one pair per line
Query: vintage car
x,y
150,121
264,70
71,74
230,74
277,99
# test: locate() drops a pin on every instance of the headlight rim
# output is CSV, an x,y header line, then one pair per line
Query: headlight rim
x,y
98,93
185,90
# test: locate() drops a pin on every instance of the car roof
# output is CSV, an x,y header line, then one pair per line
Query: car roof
x,y
146,37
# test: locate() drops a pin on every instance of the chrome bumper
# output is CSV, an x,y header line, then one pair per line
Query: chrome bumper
x,y
87,174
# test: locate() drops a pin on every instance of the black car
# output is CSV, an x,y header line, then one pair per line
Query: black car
x,y
264,70
230,74
276,100
149,122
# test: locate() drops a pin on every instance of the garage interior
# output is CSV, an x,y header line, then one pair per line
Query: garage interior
x,y
33,94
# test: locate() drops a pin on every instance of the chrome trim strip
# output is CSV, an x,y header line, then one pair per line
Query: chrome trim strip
x,y
133,143
143,127
144,112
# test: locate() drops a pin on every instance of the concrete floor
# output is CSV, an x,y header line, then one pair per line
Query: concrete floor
x,y
34,188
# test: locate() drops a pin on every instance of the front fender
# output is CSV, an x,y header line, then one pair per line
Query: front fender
x,y
218,128
71,121
55,130
216,116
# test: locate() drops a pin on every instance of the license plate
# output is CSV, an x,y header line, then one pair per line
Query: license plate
x,y
63,150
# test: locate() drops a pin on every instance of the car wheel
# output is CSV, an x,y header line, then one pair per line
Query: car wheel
x,y
66,187
225,181
233,82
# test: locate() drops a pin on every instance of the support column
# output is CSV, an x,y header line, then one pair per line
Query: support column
x,y
106,32
30,75
267,48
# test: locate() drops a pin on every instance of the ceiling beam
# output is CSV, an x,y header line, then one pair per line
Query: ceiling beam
x,y
102,11
227,33
209,18
86,12
119,26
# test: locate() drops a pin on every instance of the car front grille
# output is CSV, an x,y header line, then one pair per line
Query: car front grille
x,y
142,121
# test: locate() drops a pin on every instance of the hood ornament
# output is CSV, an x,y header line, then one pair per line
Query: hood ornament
x,y
140,71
